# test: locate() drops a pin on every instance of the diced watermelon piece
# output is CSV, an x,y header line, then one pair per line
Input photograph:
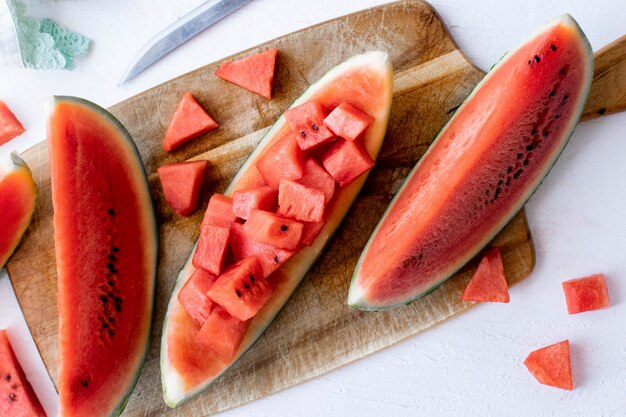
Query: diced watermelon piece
x,y
261,198
181,183
241,289
10,126
585,294
315,176
211,250
345,161
347,121
283,160
307,123
488,284
193,295
300,202
190,120
272,229
254,73
222,333
219,211
310,232
268,256
551,365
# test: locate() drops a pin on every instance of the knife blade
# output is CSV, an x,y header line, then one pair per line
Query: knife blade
x,y
179,32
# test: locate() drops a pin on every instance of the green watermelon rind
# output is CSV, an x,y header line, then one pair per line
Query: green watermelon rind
x,y
355,298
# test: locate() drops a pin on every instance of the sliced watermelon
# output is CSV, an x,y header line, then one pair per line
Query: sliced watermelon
x,y
346,161
585,294
193,295
272,229
347,121
219,211
10,126
260,198
551,365
310,231
190,120
314,176
212,248
222,333
254,73
269,257
181,183
284,160
488,284
307,123
300,202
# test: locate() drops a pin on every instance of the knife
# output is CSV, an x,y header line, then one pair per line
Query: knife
x,y
179,32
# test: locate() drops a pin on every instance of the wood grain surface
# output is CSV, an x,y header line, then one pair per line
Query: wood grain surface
x,y
316,331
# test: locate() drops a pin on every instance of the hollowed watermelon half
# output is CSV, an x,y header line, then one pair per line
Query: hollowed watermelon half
x,y
187,366
106,249
480,170
18,193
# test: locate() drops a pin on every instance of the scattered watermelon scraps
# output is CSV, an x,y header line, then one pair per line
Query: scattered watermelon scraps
x,y
182,183
254,73
586,294
190,120
10,126
488,284
551,365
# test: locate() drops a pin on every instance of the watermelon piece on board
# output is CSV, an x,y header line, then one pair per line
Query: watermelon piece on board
x,y
193,295
222,333
10,126
551,365
211,249
488,284
269,257
347,121
346,160
190,120
282,160
254,73
315,176
181,183
261,198
585,294
300,202
219,211
306,121
310,232
17,398
272,229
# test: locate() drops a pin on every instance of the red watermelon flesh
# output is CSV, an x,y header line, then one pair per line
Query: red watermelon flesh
x,y
190,120
268,256
347,121
346,161
17,398
261,198
306,121
272,229
181,183
212,247
585,294
222,333
551,365
315,176
310,231
488,284
300,202
254,73
193,295
10,126
241,289
283,160
219,211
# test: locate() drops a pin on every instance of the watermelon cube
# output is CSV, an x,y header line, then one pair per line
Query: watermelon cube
x,y
219,211
268,256
10,126
262,198
283,160
551,365
241,290
193,295
211,249
254,73
306,121
345,161
585,294
272,229
315,176
189,121
310,231
222,333
347,121
181,183
488,284
300,202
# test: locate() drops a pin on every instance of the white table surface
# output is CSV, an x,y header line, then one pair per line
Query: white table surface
x,y
470,365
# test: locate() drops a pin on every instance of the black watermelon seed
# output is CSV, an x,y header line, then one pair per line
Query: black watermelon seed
x,y
276,259
520,155
119,300
552,93
104,299
113,271
529,62
112,258
562,71
11,397
303,133
525,162
531,146
111,320
508,181
546,133
111,212
509,170
110,266
115,249
553,47
247,287
110,294
498,191
602,111
84,383
533,132
565,97
314,127
284,228
537,59
238,293
111,283
7,378
517,174
252,278
111,332
104,325
558,116
500,182
118,308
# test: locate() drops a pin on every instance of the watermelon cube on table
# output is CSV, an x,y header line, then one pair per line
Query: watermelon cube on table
x,y
222,333
10,126
212,248
219,211
254,73
346,160
272,229
269,257
283,160
300,202
315,176
181,183
261,198
551,365
241,290
190,120
306,121
585,294
488,283
347,121
193,295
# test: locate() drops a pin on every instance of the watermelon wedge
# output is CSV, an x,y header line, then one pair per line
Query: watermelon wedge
x,y
181,183
190,120
480,170
488,284
187,366
551,365
10,126
254,73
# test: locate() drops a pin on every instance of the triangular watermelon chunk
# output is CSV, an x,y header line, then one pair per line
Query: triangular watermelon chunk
x,y
551,365
488,284
181,183
254,73
10,126
190,120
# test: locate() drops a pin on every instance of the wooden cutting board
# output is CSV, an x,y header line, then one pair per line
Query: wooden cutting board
x,y
316,331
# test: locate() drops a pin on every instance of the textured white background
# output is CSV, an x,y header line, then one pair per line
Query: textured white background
x,y
470,365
